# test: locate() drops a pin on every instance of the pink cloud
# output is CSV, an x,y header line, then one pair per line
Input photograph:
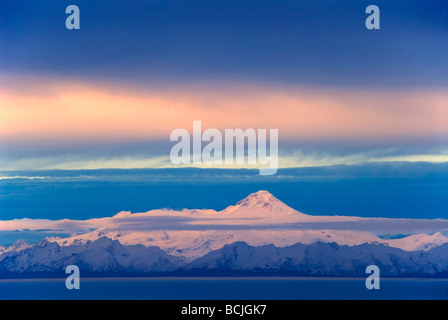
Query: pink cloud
x,y
70,111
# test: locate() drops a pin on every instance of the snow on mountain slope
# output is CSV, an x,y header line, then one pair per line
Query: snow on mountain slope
x,y
102,255
108,257
419,242
321,259
262,204
193,244
19,245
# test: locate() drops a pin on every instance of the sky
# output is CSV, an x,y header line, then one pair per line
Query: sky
x,y
108,95
322,42
362,114
392,190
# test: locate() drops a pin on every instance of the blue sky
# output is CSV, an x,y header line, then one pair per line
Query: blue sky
x,y
397,190
321,42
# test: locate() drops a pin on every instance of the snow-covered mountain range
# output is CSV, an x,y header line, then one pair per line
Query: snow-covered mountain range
x,y
108,257
322,259
258,233
102,255
259,219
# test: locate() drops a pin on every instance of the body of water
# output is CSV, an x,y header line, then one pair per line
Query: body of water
x,y
224,289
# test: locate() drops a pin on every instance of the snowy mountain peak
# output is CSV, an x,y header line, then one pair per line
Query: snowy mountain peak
x,y
123,214
19,245
259,197
261,200
260,203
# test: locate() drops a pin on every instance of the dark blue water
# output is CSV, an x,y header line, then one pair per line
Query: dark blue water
x,y
225,289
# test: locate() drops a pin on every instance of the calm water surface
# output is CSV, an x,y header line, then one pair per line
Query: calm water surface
x,y
224,288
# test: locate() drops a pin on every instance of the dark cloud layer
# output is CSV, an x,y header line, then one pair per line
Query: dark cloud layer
x,y
304,42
